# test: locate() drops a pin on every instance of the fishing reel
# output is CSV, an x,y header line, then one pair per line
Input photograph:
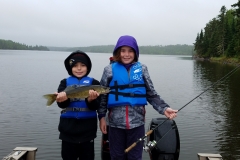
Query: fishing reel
x,y
150,146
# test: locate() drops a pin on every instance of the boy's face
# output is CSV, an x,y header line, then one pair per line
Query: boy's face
x,y
79,70
127,55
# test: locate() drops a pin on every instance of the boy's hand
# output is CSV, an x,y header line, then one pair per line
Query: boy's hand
x,y
92,95
61,97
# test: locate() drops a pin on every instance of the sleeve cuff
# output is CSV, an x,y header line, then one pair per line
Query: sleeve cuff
x,y
100,116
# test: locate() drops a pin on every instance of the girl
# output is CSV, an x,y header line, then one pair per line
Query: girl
x,y
131,89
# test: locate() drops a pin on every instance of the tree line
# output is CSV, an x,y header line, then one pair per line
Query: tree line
x,y
158,49
221,35
8,44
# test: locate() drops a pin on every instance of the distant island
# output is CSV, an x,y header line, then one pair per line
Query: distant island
x,y
8,44
158,49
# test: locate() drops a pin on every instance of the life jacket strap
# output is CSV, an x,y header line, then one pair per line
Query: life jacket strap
x,y
75,109
127,94
116,92
126,86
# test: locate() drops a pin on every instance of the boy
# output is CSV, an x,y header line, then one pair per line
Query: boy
x,y
78,120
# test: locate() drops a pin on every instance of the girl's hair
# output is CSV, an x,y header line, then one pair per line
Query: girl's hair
x,y
117,56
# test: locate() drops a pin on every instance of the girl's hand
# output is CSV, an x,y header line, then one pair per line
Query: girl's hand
x,y
170,113
103,125
61,97
92,95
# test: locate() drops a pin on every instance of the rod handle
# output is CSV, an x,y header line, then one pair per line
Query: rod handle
x,y
135,143
149,132
130,147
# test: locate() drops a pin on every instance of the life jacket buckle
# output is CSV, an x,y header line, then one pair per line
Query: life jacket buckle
x,y
130,85
76,109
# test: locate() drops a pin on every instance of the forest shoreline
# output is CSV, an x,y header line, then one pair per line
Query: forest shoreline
x,y
222,60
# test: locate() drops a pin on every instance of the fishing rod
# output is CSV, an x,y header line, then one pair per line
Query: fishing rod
x,y
151,130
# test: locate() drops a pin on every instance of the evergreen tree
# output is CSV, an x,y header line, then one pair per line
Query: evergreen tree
x,y
221,32
237,35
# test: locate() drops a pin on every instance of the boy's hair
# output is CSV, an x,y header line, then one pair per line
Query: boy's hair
x,y
77,56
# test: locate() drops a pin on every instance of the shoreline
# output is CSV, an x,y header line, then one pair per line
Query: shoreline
x,y
222,60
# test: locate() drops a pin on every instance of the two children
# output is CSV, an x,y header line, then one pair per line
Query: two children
x,y
131,89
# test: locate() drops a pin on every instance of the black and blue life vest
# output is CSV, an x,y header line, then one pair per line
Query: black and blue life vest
x,y
78,107
127,88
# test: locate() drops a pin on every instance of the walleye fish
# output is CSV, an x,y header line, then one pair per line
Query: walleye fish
x,y
77,92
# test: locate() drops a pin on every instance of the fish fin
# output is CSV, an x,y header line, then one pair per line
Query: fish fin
x,y
73,87
50,98
69,88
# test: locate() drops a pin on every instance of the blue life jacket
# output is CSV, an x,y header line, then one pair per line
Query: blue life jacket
x,y
127,88
78,107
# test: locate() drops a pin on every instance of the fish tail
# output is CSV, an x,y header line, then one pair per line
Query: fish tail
x,y
50,98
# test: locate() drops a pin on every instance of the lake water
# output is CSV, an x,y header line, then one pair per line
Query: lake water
x,y
210,124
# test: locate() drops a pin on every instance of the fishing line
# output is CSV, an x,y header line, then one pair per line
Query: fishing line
x,y
150,131
224,77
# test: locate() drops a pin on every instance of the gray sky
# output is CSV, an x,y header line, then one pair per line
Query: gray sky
x,y
78,23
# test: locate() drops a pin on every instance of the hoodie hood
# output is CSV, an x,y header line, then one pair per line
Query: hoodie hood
x,y
127,41
77,56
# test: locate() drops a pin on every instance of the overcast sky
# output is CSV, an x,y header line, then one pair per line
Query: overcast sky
x,y
79,23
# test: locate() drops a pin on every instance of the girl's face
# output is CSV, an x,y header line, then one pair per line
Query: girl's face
x,y
79,70
127,55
